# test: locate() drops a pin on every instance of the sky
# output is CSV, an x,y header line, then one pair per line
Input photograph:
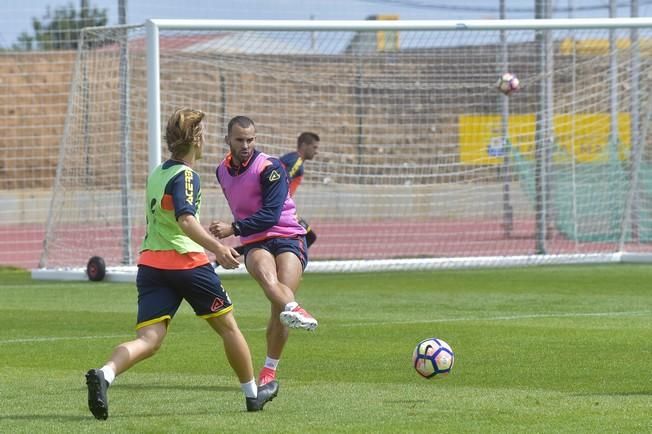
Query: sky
x,y
16,15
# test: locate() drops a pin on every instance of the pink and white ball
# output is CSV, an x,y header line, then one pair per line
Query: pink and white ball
x,y
508,83
433,358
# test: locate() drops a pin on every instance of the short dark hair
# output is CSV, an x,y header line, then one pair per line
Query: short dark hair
x,y
242,121
308,138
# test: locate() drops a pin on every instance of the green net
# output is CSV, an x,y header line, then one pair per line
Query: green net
x,y
588,201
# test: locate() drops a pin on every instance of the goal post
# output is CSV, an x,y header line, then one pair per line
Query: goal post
x,y
422,164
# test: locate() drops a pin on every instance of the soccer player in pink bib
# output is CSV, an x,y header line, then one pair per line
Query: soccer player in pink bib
x,y
264,217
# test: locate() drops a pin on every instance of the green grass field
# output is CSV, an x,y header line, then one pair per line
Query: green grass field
x,y
538,350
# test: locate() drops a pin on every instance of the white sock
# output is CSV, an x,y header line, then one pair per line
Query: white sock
x,y
271,363
109,375
291,305
250,389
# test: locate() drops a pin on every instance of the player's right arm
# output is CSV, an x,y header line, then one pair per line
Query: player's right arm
x,y
185,199
196,232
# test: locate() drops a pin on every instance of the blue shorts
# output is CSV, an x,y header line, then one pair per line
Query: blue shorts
x,y
276,246
160,293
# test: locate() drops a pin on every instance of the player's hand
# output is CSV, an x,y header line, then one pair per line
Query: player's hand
x,y
224,256
220,229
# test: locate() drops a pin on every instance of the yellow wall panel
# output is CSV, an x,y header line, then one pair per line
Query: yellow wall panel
x,y
585,136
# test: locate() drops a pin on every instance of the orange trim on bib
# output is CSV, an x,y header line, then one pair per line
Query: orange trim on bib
x,y
172,260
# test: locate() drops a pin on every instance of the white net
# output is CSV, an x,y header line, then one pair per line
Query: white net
x,y
417,157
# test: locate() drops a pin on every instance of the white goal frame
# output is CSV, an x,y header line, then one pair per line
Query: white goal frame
x,y
154,26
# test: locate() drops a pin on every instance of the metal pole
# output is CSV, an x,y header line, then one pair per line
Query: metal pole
x,y
508,216
613,77
571,8
635,117
125,145
153,96
359,115
549,147
539,141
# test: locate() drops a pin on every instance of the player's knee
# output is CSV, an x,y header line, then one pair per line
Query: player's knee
x,y
152,339
152,346
268,280
224,325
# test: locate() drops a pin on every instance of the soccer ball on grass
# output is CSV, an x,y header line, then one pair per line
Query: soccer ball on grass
x,y
433,358
508,83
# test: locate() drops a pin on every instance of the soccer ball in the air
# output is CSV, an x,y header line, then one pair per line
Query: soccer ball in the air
x,y
508,83
433,358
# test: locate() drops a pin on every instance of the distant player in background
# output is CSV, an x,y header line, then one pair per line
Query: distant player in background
x,y
256,187
173,266
307,145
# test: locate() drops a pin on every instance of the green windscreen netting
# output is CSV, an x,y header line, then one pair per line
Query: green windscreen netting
x,y
588,201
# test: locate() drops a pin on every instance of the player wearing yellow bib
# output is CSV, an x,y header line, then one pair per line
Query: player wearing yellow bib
x,y
173,266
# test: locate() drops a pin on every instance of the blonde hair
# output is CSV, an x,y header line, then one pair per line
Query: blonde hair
x,y
184,130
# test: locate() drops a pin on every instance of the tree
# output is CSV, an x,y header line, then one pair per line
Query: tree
x,y
60,30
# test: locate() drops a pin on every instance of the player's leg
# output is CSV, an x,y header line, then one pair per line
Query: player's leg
x,y
209,299
239,357
235,346
261,265
157,304
290,270
125,355
148,341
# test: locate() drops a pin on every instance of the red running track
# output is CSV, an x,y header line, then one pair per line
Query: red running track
x,y
21,245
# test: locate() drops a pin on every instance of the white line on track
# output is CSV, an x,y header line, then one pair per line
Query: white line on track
x,y
363,324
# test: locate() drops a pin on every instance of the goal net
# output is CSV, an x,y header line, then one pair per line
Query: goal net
x,y
422,162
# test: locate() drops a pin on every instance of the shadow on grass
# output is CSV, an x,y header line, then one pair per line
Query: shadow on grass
x,y
179,387
48,417
407,401
636,393
191,388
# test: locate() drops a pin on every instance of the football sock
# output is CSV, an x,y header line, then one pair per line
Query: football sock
x,y
271,363
291,305
109,375
250,389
